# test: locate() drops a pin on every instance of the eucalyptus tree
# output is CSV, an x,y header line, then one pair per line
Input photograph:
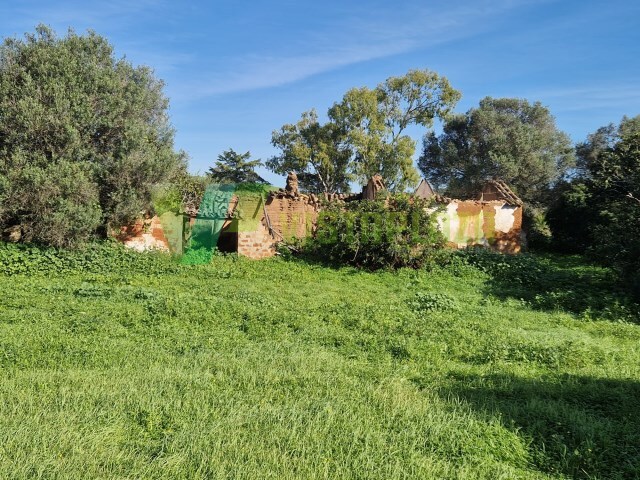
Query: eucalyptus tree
x,y
375,123
316,152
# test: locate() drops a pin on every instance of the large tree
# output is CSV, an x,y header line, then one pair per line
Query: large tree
x,y
508,138
83,137
598,212
233,167
315,151
610,161
375,123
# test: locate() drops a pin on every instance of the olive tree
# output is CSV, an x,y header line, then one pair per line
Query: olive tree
x,y
84,137
508,138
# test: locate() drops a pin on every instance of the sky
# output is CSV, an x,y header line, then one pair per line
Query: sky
x,y
236,70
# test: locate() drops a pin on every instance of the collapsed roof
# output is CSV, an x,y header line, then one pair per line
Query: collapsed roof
x,y
492,190
495,189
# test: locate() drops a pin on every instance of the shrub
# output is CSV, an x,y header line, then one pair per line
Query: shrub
x,y
83,138
610,172
183,192
389,232
535,225
570,216
433,302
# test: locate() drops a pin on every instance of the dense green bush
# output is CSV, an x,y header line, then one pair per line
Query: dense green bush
x,y
183,192
617,238
634,285
570,217
84,137
393,231
536,227
599,212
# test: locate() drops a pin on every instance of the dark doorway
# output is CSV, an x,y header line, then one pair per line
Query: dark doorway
x,y
228,240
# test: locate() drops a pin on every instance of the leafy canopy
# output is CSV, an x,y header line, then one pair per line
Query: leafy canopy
x,y
365,134
598,210
84,137
375,120
508,138
611,159
232,167
316,152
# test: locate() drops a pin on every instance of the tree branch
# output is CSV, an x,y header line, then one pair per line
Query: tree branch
x,y
630,195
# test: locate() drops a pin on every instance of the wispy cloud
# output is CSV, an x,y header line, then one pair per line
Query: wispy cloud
x,y
377,35
255,72
80,14
354,34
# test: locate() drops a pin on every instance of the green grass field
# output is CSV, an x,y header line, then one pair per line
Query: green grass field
x,y
279,369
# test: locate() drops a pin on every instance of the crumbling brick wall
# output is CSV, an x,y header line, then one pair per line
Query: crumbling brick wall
x,y
291,216
147,234
256,244
492,224
254,239
493,221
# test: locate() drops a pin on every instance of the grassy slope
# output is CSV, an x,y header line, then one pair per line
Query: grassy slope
x,y
283,370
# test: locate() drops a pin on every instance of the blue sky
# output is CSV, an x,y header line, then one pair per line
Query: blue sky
x,y
237,70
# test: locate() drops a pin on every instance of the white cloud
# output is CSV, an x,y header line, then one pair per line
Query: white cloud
x,y
356,34
255,72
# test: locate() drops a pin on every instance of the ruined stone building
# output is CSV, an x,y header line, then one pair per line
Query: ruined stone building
x,y
492,220
252,225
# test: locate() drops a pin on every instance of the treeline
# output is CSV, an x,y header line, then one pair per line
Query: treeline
x,y
581,198
85,141
597,210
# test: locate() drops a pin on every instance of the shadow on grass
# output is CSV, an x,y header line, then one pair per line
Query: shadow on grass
x,y
549,282
303,257
556,282
581,427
